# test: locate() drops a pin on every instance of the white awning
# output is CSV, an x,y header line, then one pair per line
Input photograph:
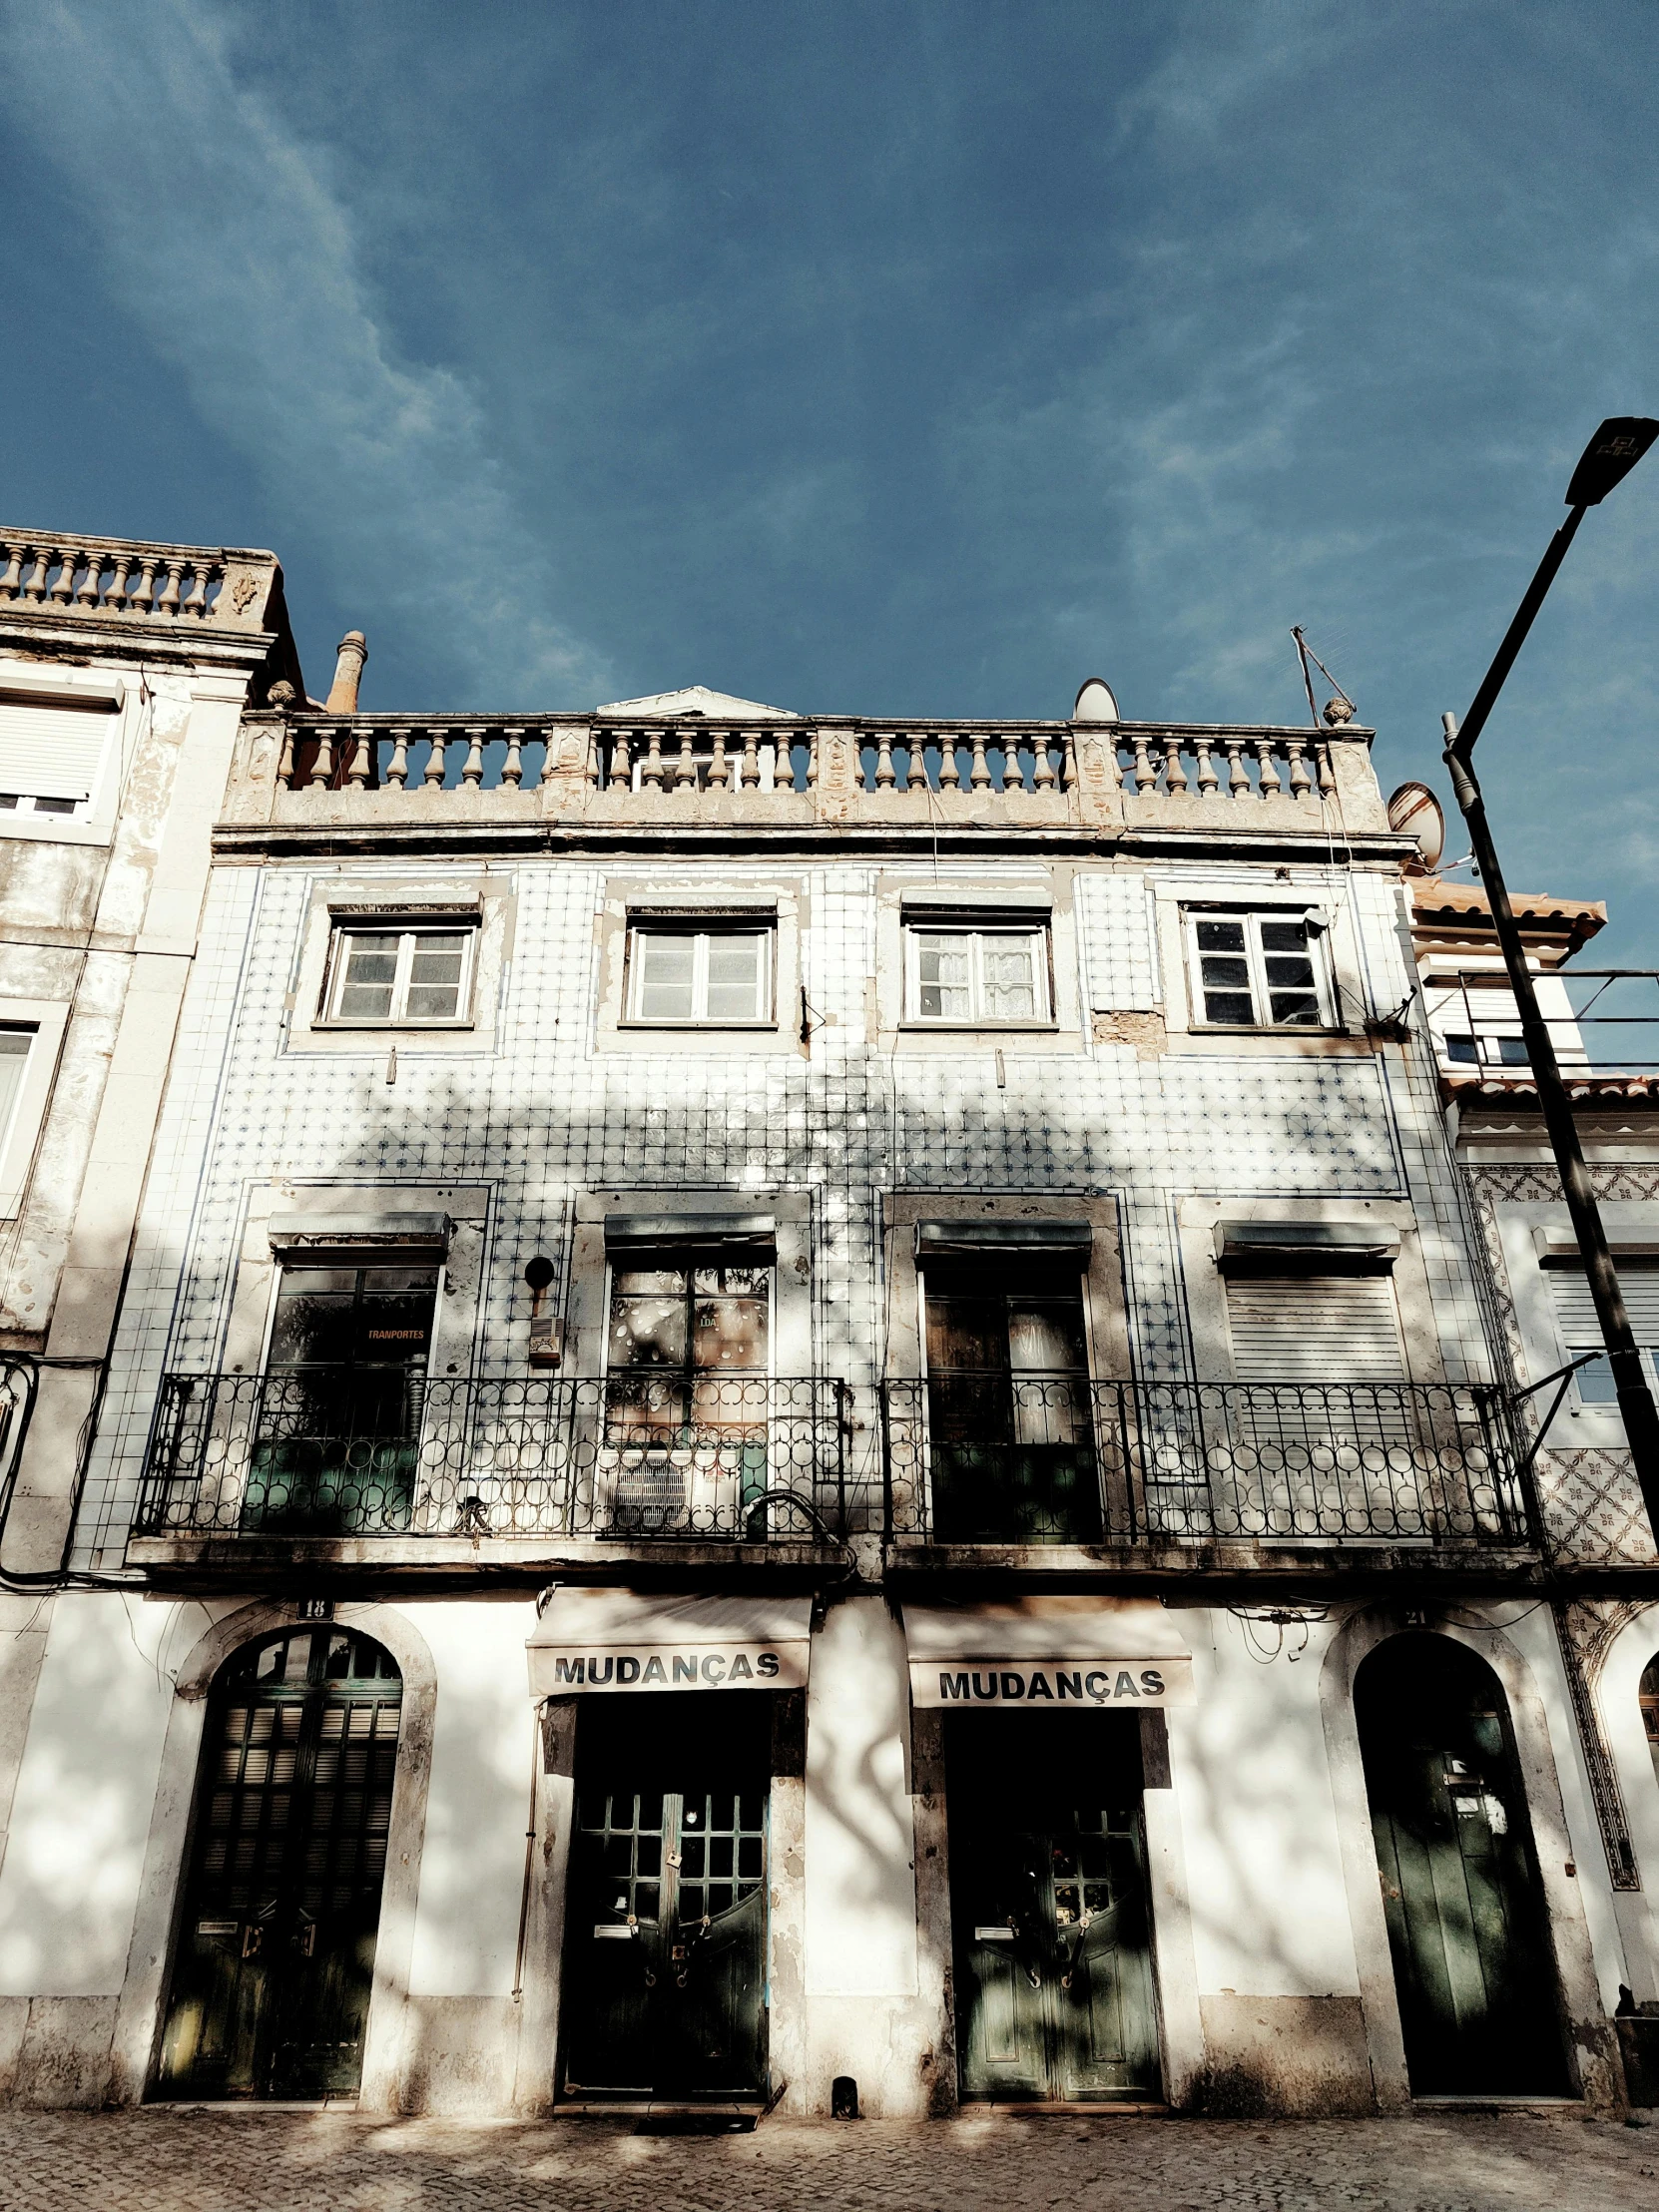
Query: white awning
x,y
1047,1652
621,1640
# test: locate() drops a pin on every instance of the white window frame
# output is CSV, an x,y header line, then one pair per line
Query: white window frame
x,y
1260,1001
22,1131
407,932
976,928
700,928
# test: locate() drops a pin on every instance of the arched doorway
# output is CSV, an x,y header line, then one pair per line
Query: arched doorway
x,y
1648,1696
275,1958
1467,1927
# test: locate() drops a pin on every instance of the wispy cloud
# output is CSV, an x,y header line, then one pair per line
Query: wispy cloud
x,y
219,234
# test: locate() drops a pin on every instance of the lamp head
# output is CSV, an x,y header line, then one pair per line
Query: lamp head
x,y
1609,457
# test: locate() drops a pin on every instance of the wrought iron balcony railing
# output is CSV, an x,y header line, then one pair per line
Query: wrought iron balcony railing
x,y
330,1452
1053,1460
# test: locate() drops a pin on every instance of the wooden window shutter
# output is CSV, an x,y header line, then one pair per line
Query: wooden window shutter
x,y
53,750
1315,1329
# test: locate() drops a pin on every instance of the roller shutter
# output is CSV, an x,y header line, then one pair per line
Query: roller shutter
x,y
1575,1310
1315,1329
53,750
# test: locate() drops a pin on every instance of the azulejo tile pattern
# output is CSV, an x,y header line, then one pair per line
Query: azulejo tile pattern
x,y
544,1117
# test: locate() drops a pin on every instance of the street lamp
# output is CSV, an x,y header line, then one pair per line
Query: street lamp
x,y
1608,458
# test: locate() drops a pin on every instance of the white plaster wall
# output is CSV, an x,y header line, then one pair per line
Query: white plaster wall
x,y
1252,1779
861,1841
478,1799
74,1854
1618,1693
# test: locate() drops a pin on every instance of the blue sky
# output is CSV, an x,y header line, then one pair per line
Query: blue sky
x,y
895,358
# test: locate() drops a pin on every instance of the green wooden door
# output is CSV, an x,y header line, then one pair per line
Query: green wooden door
x,y
281,1904
1054,1989
666,1926
1467,1927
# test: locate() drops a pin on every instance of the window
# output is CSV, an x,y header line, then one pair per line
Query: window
x,y
700,971
1008,1410
403,975
1316,1329
342,1397
1503,1052
16,1043
687,1345
1575,1316
1260,971
975,973
50,752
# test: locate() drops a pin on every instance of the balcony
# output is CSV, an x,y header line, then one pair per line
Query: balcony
x,y
330,1464
989,1460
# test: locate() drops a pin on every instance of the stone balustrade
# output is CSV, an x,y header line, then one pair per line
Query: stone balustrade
x,y
388,771
45,573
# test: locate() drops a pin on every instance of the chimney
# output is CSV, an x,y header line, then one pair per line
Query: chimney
x,y
349,668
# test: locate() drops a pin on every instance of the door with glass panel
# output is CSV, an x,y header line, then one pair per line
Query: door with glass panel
x,y
1052,1935
338,1442
282,1907
1012,1455
666,1928
687,1390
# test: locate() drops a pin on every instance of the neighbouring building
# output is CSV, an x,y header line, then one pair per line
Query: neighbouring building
x,y
712,1406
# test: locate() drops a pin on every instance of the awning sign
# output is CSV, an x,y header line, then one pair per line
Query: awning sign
x,y
1131,1684
610,1641
556,1673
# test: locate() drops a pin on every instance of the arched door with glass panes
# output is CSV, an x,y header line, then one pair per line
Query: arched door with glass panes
x,y
275,1958
1468,1925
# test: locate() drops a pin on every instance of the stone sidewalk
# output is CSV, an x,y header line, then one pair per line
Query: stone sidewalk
x,y
198,2160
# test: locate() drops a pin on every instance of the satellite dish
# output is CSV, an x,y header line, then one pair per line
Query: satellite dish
x,y
1415,812
1095,703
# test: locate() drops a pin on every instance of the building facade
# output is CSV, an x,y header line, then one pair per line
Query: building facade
x,y
715,1407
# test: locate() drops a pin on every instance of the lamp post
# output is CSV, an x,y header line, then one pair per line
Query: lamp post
x,y
1608,458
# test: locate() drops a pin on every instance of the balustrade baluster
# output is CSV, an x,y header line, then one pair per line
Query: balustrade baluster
x,y
1238,775
473,768
322,764
65,585
593,761
197,603
141,601
1042,766
1267,775
398,768
512,768
1175,776
285,760
748,767
1013,768
35,589
720,767
811,760
1146,776
885,773
88,593
949,775
652,770
13,577
622,765
684,768
116,597
1068,762
782,760
167,603
979,773
437,756
363,760
1301,781
1327,772
1208,779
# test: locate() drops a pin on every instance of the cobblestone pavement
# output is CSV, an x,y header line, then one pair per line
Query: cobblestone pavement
x,y
215,2162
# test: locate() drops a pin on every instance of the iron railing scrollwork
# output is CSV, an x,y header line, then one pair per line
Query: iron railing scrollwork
x,y
337,1452
1056,1460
